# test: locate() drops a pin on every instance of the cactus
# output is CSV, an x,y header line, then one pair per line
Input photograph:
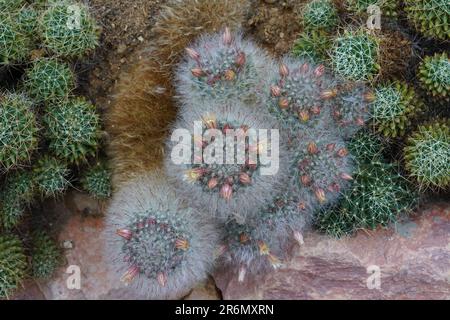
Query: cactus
x,y
430,17
427,155
15,45
50,175
161,246
27,20
45,255
300,94
97,181
395,105
312,45
13,264
320,14
355,55
65,35
366,147
227,189
18,129
11,5
49,80
388,8
17,193
378,196
322,168
73,129
434,75
222,66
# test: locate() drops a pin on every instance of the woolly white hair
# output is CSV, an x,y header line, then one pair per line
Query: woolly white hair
x,y
152,194
246,201
250,85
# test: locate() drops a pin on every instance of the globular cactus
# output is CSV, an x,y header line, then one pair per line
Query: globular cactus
x,y
68,29
222,66
434,75
97,181
27,18
301,93
157,244
13,264
320,14
354,56
15,45
430,17
427,155
388,8
235,184
45,255
350,108
366,147
11,5
49,80
312,45
378,196
18,129
51,176
322,169
73,129
261,244
16,195
395,105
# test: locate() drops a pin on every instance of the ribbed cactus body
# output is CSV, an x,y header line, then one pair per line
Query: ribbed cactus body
x,y
366,147
51,176
97,181
15,45
320,14
434,75
45,256
13,264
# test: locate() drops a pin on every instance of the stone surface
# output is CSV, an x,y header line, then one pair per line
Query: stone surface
x,y
413,260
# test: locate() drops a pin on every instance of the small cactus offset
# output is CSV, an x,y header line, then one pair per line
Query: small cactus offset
x,y
15,45
158,245
45,255
366,147
227,188
49,80
355,56
13,264
427,155
51,176
434,75
222,66
18,130
16,195
320,14
73,129
313,45
378,196
97,181
395,105
64,35
322,169
430,17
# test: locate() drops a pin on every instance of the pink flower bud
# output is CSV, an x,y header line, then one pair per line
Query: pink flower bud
x,y
283,103
129,275
346,176
301,205
304,68
212,183
328,94
263,248
320,195
303,115
226,37
312,148
359,121
369,97
242,272
240,59
284,70
315,110
319,71
226,192
197,72
275,90
243,238
124,233
181,244
245,178
306,180
331,146
230,75
162,279
299,238
342,152
192,54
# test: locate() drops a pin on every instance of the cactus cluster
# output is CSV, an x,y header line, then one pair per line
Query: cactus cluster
x,y
97,181
13,264
395,105
427,155
51,176
434,75
320,14
45,255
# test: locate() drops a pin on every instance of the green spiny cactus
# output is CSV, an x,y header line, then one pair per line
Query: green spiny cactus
x,y
434,75
49,80
50,175
68,30
18,129
73,129
97,181
395,105
430,17
27,19
366,146
15,45
320,14
379,195
312,45
45,255
11,5
388,7
354,56
13,264
17,193
427,155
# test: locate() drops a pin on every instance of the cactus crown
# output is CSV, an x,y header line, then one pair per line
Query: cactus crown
x,y
18,129
15,46
65,35
51,176
427,155
354,56
73,129
97,181
434,74
50,80
45,256
320,14
394,106
13,264
366,147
